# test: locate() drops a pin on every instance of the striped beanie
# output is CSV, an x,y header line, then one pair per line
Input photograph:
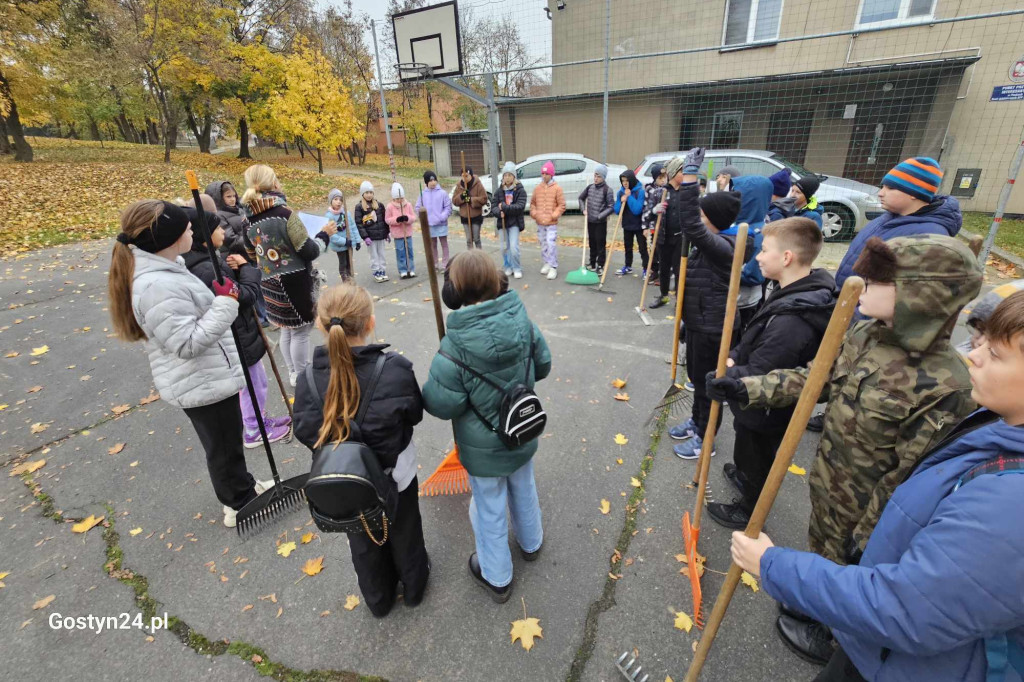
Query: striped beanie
x,y
919,177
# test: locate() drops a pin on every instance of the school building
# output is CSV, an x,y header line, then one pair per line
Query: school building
x,y
850,104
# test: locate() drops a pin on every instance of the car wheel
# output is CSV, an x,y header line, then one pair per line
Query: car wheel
x,y
838,223
485,210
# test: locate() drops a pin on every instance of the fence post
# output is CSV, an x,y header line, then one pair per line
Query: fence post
x,y
492,133
383,103
607,64
1004,198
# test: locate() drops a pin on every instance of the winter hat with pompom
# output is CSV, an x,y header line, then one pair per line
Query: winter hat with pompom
x,y
397,191
509,167
367,186
548,169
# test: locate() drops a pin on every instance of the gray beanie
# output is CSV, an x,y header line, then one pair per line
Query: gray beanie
x,y
397,191
509,167
367,186
335,193
674,165
601,170
731,171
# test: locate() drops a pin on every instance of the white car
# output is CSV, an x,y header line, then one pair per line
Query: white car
x,y
848,205
573,172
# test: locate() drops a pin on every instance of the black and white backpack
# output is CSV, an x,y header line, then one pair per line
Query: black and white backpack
x,y
521,415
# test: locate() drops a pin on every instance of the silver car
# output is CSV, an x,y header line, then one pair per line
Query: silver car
x,y
848,205
573,172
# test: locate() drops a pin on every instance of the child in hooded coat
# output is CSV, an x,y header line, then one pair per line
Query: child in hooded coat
x,y
346,237
439,208
632,220
369,217
400,218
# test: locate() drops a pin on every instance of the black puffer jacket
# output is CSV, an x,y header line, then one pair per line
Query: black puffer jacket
x,y
373,229
248,277
514,211
709,262
396,406
784,334
236,225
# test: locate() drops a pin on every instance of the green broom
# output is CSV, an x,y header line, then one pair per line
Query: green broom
x,y
583,276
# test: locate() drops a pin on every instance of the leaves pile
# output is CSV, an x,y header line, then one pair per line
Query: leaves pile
x,y
76,190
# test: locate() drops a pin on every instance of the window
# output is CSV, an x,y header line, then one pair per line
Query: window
x,y
726,130
752,21
751,165
882,12
530,170
569,166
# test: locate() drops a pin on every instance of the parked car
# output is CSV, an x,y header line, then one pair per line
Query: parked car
x,y
572,171
848,205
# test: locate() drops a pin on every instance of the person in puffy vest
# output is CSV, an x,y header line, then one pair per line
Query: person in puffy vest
x,y
632,192
491,332
342,370
596,201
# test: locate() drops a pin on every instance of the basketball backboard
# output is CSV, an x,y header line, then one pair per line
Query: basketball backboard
x,y
428,36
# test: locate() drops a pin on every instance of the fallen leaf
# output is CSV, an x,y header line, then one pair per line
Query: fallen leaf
x,y
668,678
749,580
27,467
85,524
525,630
606,506
120,409
395,300
613,576
618,461
620,439
307,538
313,566
324,614
683,622
44,602
34,389
39,427
634,481
351,601
563,317
12,354
280,610
681,558
794,469
610,299
134,464
135,531
4,406
619,383
286,548
117,447
42,350
151,398
247,607
624,397
256,658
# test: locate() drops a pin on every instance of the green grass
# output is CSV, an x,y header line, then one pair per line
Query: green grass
x,y
1009,237
376,163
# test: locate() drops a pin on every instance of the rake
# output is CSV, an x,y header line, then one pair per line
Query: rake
x,y
608,258
816,378
691,532
640,309
273,365
676,398
286,496
628,671
583,276
450,477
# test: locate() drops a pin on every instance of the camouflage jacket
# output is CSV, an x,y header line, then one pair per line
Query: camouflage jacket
x,y
894,392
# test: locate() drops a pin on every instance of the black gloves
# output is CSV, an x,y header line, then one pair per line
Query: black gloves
x,y
402,219
726,389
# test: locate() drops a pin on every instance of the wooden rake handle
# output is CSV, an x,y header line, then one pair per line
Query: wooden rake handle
x,y
650,262
723,356
820,370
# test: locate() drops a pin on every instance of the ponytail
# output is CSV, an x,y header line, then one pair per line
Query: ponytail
x,y
135,219
344,311
259,178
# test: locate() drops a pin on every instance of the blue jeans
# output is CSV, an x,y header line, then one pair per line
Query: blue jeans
x,y
403,250
487,512
510,248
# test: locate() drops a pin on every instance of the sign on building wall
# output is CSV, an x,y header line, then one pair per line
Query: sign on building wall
x,y
1007,93
1017,71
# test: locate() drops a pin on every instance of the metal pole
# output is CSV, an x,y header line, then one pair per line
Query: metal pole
x,y
1004,198
492,134
383,103
607,63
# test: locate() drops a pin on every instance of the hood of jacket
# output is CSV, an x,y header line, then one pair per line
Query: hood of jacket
x,y
630,177
935,277
216,190
785,205
494,333
944,212
756,197
812,298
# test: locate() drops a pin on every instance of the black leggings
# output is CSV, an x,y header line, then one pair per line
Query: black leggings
x,y
641,245
670,253
219,427
597,234
753,453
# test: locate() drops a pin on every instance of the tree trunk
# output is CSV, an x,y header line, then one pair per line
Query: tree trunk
x,y
202,135
338,151
22,149
72,131
5,141
172,135
286,147
152,134
243,138
298,143
320,160
94,130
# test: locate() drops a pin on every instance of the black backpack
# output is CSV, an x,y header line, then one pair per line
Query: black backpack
x,y
521,415
348,490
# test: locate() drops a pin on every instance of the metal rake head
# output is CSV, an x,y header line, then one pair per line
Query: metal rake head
x,y
628,671
678,400
271,506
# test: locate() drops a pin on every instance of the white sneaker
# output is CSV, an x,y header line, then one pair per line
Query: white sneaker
x,y
293,378
544,270
518,274
263,486
508,272
553,273
230,517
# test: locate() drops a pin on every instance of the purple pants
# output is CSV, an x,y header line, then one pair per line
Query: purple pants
x,y
259,384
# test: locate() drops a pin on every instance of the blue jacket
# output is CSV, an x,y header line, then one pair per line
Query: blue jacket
x,y
812,210
341,239
756,197
942,216
632,218
942,572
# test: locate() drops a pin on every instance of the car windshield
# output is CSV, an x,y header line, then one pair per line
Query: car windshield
x,y
795,167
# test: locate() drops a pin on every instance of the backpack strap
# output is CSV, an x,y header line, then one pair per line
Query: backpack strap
x,y
364,401
459,363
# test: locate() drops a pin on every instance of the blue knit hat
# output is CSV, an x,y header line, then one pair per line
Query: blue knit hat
x,y
919,177
781,182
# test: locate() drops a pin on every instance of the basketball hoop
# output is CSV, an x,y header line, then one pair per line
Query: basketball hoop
x,y
414,71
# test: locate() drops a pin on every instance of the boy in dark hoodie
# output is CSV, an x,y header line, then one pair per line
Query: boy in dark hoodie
x,y
783,205
755,198
632,220
785,333
652,197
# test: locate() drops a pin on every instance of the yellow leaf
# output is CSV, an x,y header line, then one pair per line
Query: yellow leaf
x,y
286,548
620,439
351,601
4,406
34,389
40,351
681,558
247,607
634,481
606,506
280,610
120,409
27,467
624,397
525,630
117,447
12,354
683,622
39,427
307,538
44,602
619,383
313,566
749,580
668,678
4,574
563,317
794,469
618,461
135,531
85,524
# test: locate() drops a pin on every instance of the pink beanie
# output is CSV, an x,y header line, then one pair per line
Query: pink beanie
x,y
548,168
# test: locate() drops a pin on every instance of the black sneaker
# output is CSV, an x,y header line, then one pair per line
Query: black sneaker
x,y
499,595
729,515
733,476
531,556
811,641
794,614
816,423
658,302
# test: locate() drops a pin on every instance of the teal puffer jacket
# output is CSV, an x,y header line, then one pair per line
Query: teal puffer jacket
x,y
493,338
